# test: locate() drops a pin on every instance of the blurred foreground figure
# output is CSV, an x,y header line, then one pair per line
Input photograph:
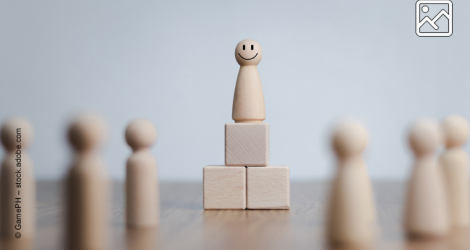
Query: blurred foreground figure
x,y
425,208
351,213
87,186
454,163
17,184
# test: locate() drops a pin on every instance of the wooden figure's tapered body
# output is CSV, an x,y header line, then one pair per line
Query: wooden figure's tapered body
x,y
351,218
142,192
18,198
425,213
142,196
87,203
87,187
17,183
454,164
352,209
248,101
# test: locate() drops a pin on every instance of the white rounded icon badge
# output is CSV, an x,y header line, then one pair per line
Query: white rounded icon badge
x,y
434,18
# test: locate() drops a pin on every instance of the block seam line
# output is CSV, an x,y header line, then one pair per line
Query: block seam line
x,y
246,187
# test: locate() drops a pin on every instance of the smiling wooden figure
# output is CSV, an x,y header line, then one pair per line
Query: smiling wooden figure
x,y
248,102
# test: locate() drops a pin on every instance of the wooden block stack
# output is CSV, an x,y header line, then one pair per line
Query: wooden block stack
x,y
247,181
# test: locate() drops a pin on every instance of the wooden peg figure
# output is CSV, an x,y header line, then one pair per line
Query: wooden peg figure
x,y
143,209
425,208
454,163
248,101
351,218
87,187
17,182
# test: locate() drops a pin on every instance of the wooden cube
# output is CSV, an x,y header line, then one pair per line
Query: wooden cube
x,y
246,144
224,187
268,187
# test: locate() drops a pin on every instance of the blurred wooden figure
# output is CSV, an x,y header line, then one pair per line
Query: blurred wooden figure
x,y
351,216
454,163
425,208
17,183
248,101
142,192
87,187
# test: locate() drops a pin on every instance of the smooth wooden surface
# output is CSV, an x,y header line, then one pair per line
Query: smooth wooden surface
x,y
246,144
17,183
185,225
142,195
426,203
224,187
268,187
248,100
351,215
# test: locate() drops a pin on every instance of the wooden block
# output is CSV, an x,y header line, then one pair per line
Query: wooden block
x,y
224,187
268,187
247,144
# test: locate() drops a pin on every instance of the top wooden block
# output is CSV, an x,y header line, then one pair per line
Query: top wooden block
x,y
246,144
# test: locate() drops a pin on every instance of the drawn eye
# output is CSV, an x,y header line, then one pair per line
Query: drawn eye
x,y
252,47
243,47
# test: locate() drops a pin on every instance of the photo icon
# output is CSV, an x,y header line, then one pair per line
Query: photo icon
x,y
434,18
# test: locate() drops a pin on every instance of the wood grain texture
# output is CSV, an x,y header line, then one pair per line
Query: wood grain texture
x,y
184,224
224,187
246,144
268,187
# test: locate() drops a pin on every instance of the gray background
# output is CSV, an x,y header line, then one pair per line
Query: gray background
x,y
173,63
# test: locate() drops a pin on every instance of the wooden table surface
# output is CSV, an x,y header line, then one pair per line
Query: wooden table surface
x,y
185,225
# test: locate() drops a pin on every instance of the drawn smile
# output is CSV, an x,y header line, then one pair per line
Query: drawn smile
x,y
247,58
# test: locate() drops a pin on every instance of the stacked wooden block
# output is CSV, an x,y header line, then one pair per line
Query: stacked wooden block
x,y
247,181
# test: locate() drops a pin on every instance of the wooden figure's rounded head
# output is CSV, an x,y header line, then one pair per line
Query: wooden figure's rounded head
x,y
248,52
349,138
424,136
141,134
16,131
454,130
87,132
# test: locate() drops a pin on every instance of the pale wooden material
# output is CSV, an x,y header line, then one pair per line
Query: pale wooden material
x,y
425,207
17,183
454,163
351,215
142,195
185,225
224,187
268,187
248,101
87,194
246,144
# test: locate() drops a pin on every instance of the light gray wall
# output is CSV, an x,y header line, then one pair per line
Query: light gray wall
x,y
173,63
